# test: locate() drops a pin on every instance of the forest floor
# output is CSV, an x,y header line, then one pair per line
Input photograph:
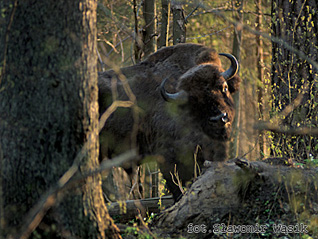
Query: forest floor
x,y
241,200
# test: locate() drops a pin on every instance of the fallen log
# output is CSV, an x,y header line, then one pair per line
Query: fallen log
x,y
243,199
124,211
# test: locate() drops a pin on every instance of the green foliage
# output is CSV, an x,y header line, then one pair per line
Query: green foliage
x,y
137,232
292,76
311,161
131,231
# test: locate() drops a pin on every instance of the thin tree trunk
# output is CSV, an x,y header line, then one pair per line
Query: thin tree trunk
x,y
138,46
48,111
150,27
237,43
260,87
179,28
165,14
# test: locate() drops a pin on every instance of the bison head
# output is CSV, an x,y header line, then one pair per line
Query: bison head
x,y
206,90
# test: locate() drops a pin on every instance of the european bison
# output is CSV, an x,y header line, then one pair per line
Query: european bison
x,y
186,101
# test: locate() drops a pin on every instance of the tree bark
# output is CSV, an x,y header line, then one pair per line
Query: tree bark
x,y
179,28
263,145
139,45
48,111
237,43
165,14
150,27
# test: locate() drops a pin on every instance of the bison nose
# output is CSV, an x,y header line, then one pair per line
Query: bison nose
x,y
220,118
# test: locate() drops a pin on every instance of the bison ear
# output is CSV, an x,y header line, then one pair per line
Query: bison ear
x,y
234,84
208,56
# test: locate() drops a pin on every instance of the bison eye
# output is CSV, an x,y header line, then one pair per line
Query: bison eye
x,y
225,118
225,89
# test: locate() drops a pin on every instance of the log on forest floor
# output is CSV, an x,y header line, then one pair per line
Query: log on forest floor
x,y
257,195
125,211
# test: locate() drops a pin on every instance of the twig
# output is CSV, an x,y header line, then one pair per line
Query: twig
x,y
102,64
287,130
114,49
176,176
111,45
276,126
190,14
111,109
244,155
211,11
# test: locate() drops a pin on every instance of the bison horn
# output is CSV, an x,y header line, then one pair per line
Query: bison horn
x,y
180,97
229,73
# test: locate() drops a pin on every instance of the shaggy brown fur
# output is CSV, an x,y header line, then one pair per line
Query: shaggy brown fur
x,y
165,129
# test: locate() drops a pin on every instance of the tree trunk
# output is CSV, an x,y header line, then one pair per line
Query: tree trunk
x,y
237,43
138,44
260,70
295,22
150,27
48,110
179,28
165,14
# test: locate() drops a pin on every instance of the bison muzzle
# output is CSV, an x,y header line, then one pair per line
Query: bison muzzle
x,y
185,97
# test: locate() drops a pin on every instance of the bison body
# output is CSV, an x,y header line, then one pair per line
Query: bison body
x,y
185,101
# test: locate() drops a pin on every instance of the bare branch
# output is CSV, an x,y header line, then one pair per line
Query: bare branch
x,y
287,130
191,13
102,64
119,43
276,126
111,45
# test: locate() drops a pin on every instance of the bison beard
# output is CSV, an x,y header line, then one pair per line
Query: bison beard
x,y
185,101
